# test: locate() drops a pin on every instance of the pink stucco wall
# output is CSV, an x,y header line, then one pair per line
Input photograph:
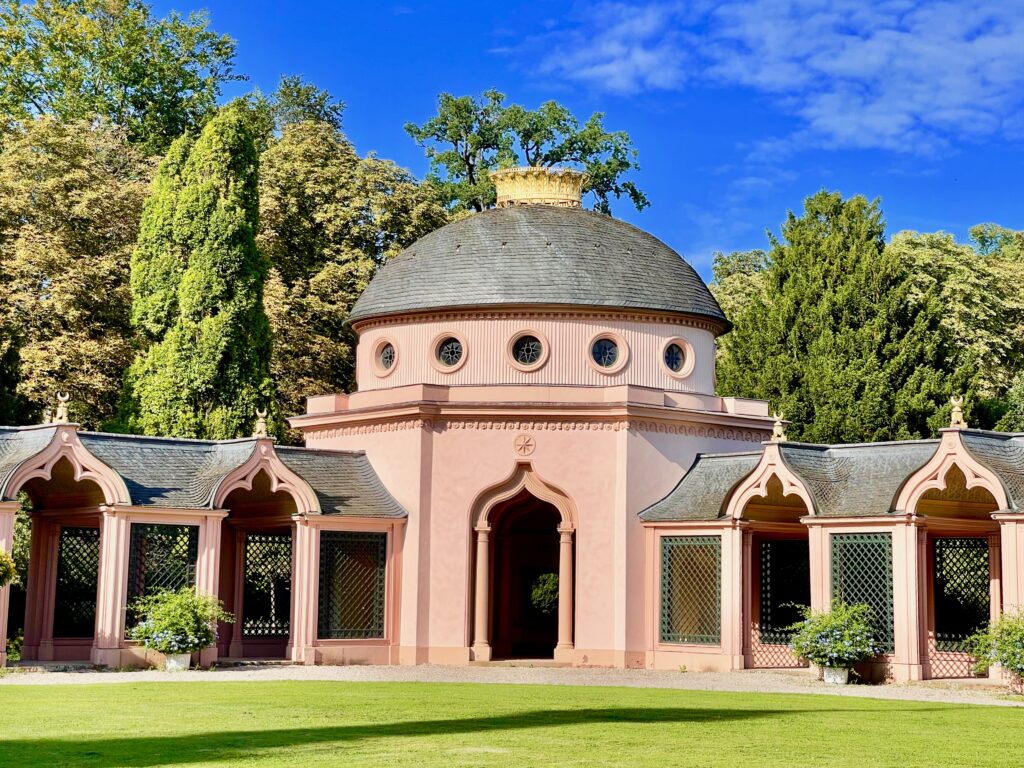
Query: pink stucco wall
x,y
613,444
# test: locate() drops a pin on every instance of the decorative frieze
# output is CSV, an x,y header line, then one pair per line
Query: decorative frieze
x,y
683,429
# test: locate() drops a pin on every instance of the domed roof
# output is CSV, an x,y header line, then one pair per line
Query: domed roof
x,y
538,254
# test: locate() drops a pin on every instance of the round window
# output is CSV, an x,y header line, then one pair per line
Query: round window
x,y
386,357
605,352
527,350
449,351
675,358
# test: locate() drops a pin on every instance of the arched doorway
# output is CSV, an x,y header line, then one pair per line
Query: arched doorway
x,y
525,546
256,570
526,514
777,572
57,600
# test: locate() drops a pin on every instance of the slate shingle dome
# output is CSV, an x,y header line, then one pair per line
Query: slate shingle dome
x,y
538,254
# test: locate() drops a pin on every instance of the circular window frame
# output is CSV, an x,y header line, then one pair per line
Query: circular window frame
x,y
544,351
688,363
432,354
379,370
619,342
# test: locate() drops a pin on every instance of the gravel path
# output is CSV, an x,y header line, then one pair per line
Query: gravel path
x,y
946,691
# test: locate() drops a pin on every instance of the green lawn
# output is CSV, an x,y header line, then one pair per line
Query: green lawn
x,y
410,724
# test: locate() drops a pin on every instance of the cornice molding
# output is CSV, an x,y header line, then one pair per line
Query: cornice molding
x,y
553,312
441,424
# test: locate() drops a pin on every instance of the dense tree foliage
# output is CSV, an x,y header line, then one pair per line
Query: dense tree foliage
x,y
207,370
70,197
859,340
328,219
469,137
79,59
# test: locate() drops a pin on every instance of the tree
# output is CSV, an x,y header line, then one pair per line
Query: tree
x,y
847,337
468,137
328,219
76,59
70,199
206,374
293,101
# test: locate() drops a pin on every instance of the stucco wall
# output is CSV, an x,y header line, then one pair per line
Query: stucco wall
x,y
568,340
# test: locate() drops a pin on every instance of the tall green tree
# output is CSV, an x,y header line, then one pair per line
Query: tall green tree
x,y
845,336
208,373
70,198
76,59
469,137
329,218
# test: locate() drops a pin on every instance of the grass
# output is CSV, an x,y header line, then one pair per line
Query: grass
x,y
424,724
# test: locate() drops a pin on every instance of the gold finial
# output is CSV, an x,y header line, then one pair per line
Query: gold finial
x,y
261,424
561,187
956,417
779,429
61,416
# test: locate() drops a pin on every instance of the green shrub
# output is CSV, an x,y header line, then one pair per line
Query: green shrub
x,y
839,637
1002,643
544,594
178,622
8,570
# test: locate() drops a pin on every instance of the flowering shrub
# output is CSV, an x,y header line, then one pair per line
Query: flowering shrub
x,y
8,571
1002,643
839,637
544,594
178,622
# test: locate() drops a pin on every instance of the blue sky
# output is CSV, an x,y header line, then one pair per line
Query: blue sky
x,y
739,109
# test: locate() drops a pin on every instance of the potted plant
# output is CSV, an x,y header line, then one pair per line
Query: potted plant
x,y
8,570
177,624
1001,643
835,640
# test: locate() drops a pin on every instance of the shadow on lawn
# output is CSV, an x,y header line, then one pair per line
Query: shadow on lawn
x,y
228,745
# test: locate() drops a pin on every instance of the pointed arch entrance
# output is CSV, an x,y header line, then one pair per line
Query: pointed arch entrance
x,y
524,535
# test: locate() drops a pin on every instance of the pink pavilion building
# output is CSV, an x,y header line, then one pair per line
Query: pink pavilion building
x,y
535,465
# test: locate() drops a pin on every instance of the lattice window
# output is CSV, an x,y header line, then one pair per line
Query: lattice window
x,y
78,562
267,603
862,573
691,589
351,585
961,580
161,557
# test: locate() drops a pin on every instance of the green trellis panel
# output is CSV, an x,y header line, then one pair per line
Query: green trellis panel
x,y
960,571
266,606
691,589
352,570
862,573
78,560
161,557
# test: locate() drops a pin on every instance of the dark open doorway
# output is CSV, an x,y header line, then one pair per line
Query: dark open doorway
x,y
525,605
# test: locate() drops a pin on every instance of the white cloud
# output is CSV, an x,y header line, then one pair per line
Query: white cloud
x,y
889,74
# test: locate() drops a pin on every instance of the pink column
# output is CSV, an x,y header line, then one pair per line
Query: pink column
x,y
111,589
907,583
236,650
208,569
305,585
1011,534
482,597
7,513
821,569
747,597
732,595
564,651
45,595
